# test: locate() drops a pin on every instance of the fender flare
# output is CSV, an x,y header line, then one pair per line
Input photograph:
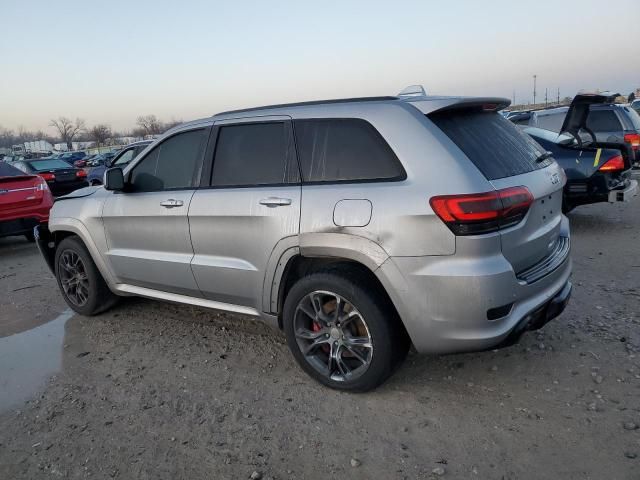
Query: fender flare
x,y
317,245
75,226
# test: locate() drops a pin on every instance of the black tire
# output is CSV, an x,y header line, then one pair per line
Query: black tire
x,y
98,298
388,337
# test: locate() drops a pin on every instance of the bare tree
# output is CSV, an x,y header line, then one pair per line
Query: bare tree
x,y
67,129
171,123
100,133
150,124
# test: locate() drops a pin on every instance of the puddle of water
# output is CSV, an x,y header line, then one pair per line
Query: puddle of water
x,y
28,359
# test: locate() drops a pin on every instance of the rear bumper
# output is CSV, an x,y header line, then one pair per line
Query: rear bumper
x,y
65,188
624,195
462,303
21,225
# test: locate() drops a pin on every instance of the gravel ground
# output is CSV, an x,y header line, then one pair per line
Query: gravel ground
x,y
153,390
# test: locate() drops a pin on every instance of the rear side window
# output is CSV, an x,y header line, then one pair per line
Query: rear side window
x,y
175,163
603,121
343,150
495,145
634,117
552,122
254,154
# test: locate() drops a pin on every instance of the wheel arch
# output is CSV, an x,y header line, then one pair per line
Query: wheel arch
x,y
66,227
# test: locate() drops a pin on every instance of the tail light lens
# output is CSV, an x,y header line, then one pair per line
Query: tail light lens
x,y
81,174
614,164
41,186
477,213
49,177
633,139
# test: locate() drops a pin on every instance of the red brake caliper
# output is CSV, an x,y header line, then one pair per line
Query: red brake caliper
x,y
316,328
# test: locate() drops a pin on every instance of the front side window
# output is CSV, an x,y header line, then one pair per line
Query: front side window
x,y
173,164
603,121
254,154
343,150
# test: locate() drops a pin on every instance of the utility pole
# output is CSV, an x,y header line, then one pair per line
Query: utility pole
x,y
535,77
514,97
545,97
558,96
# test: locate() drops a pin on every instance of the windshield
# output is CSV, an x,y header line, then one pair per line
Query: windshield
x,y
41,165
7,170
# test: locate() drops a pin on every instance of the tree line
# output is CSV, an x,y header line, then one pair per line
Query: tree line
x,y
69,131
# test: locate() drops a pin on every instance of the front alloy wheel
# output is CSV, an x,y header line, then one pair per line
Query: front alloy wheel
x,y
333,336
73,277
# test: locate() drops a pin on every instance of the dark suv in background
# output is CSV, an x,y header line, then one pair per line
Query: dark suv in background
x,y
608,122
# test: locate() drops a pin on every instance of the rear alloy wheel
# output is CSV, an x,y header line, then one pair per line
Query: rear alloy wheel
x,y
333,336
80,282
343,330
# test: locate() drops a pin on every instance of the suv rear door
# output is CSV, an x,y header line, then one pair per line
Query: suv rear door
x,y
509,158
248,203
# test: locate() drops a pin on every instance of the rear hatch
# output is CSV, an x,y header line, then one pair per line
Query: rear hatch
x,y
509,158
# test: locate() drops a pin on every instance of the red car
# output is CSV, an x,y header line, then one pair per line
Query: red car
x,y
25,201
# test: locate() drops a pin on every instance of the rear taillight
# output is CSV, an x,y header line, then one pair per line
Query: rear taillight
x,y
49,177
614,164
81,174
477,213
41,186
633,139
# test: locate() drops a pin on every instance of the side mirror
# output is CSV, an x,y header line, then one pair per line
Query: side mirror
x,y
114,179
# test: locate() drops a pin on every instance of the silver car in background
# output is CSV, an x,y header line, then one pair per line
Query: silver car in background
x,y
357,226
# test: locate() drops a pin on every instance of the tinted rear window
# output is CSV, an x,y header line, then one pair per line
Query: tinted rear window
x,y
603,121
344,150
495,145
254,154
41,165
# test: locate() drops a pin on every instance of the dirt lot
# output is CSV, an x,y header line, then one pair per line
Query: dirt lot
x,y
152,390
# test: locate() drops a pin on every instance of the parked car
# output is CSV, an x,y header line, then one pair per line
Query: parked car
x,y
61,177
357,226
636,106
71,157
121,159
596,172
100,159
25,201
598,115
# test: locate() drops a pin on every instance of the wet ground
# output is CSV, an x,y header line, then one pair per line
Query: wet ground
x,y
152,390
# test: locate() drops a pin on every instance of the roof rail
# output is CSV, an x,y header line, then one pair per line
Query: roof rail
x,y
314,102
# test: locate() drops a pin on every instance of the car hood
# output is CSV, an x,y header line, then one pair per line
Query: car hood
x,y
80,193
576,117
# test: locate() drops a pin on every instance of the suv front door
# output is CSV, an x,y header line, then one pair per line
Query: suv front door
x,y
250,203
146,226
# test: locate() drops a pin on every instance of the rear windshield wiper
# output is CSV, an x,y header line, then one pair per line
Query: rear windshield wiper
x,y
543,157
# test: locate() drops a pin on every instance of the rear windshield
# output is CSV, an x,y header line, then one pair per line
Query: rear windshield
x,y
41,165
495,145
7,170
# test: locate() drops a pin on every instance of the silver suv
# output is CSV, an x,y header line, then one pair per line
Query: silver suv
x,y
360,227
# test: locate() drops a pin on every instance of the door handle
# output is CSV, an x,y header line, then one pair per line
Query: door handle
x,y
172,203
273,202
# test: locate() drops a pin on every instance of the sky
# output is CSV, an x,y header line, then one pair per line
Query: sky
x,y
110,62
